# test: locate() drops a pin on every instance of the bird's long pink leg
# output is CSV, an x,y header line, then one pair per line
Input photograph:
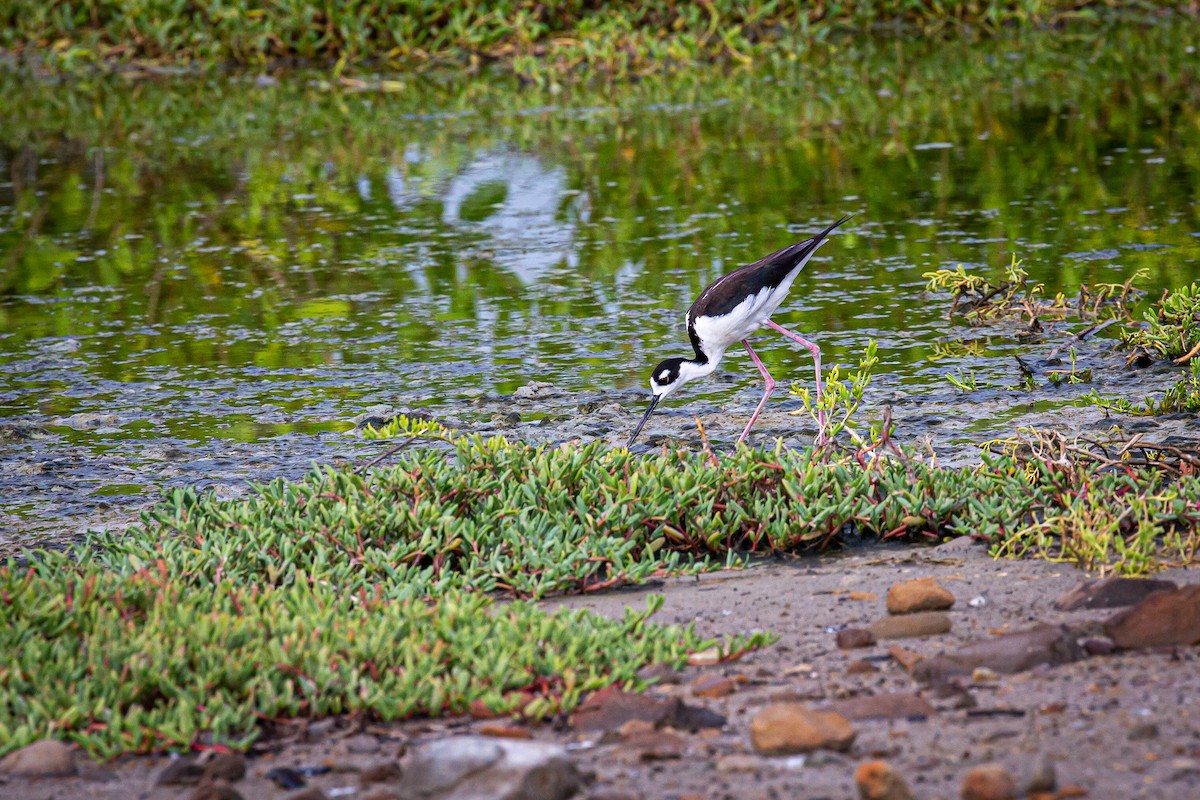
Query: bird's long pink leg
x,y
816,354
768,387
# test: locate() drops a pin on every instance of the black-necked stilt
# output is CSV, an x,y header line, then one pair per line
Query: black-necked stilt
x,y
728,311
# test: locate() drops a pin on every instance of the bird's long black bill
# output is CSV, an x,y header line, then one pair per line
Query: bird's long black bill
x,y
642,424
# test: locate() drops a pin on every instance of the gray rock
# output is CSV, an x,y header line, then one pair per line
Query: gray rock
x,y
42,759
479,768
363,743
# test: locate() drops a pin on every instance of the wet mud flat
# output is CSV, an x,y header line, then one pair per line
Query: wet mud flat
x,y
1103,724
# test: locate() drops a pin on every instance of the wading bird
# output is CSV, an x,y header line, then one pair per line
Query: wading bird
x,y
728,311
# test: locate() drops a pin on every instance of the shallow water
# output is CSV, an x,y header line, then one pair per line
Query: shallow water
x,y
211,280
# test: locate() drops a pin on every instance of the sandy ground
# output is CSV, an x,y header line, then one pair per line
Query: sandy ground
x,y
1121,726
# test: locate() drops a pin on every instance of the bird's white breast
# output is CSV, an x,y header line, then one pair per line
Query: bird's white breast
x,y
719,333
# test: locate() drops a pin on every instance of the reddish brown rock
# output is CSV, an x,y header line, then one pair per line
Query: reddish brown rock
x,y
876,780
47,758
1110,593
713,686
504,731
1163,619
610,708
909,626
655,745
883,706
922,594
789,728
989,782
861,667
906,658
851,638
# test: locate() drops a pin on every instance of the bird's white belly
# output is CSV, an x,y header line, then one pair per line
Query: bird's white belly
x,y
744,319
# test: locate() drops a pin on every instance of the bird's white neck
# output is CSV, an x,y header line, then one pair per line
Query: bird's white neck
x,y
690,370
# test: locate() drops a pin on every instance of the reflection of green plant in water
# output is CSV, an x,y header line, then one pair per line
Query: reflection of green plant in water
x,y
1173,326
956,348
840,397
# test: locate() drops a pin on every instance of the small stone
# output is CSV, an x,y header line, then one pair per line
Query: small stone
x,y
851,638
311,793
789,728
610,708
739,762
381,772
907,659
984,675
655,745
980,601
363,744
684,717
1147,730
382,793
283,777
225,766
1110,593
908,626
1044,777
181,772
504,769
713,686
46,758
1071,790
861,667
504,731
922,594
1164,618
876,780
884,706
215,790
705,658
989,782
1099,646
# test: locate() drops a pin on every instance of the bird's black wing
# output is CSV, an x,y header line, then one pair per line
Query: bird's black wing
x,y
725,293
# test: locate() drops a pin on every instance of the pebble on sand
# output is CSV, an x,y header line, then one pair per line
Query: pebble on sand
x,y
909,626
922,594
851,638
791,728
989,782
876,780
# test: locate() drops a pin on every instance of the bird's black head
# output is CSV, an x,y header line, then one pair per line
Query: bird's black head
x,y
665,375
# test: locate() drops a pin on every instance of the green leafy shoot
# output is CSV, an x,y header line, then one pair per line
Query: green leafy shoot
x,y
841,397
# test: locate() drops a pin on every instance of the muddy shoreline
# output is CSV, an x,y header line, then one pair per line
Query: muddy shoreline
x,y
1112,726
